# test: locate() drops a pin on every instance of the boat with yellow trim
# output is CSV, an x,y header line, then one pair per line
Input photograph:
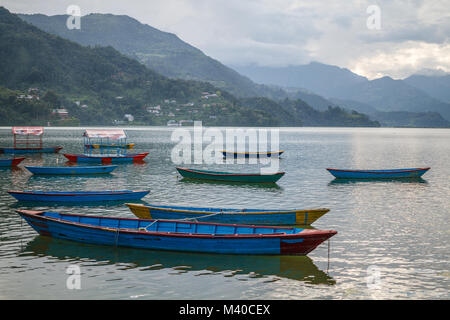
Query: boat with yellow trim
x,y
221,215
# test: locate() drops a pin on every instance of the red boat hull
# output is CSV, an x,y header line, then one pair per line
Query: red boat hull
x,y
137,157
10,162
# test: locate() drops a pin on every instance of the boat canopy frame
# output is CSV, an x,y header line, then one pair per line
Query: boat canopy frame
x,y
27,137
113,141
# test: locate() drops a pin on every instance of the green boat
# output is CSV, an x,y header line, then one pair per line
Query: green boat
x,y
230,177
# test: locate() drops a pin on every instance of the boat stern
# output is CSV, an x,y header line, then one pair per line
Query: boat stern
x,y
71,157
34,219
139,210
307,217
16,161
28,212
305,241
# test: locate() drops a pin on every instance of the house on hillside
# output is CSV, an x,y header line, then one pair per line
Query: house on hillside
x,y
62,113
156,109
207,95
186,122
172,123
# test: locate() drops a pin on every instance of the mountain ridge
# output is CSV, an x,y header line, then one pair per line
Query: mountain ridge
x,y
161,51
437,86
171,61
104,80
100,85
384,94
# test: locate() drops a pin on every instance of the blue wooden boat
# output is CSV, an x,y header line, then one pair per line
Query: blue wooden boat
x,y
78,196
219,215
378,174
230,177
176,235
10,162
235,155
71,170
20,150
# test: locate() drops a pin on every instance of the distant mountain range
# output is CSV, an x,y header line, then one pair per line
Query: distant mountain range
x,y
418,93
436,86
318,84
325,80
160,51
98,85
46,78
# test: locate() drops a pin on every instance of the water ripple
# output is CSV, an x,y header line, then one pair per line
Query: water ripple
x,y
400,228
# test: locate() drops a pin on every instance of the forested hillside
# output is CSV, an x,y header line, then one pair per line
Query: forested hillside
x,y
99,85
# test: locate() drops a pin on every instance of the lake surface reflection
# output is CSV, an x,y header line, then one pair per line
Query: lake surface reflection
x,y
400,228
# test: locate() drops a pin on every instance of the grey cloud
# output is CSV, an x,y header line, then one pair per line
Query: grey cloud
x,y
430,33
279,29
286,32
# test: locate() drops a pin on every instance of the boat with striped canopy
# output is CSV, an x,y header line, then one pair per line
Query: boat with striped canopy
x,y
220,215
230,177
176,235
28,140
378,174
106,146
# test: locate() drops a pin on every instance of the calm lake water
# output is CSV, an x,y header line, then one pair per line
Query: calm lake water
x,y
392,242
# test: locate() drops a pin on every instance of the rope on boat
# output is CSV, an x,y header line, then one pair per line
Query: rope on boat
x,y
214,214
328,266
209,215
145,228
116,240
194,218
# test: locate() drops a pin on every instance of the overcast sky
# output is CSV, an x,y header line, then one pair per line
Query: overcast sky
x,y
412,36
